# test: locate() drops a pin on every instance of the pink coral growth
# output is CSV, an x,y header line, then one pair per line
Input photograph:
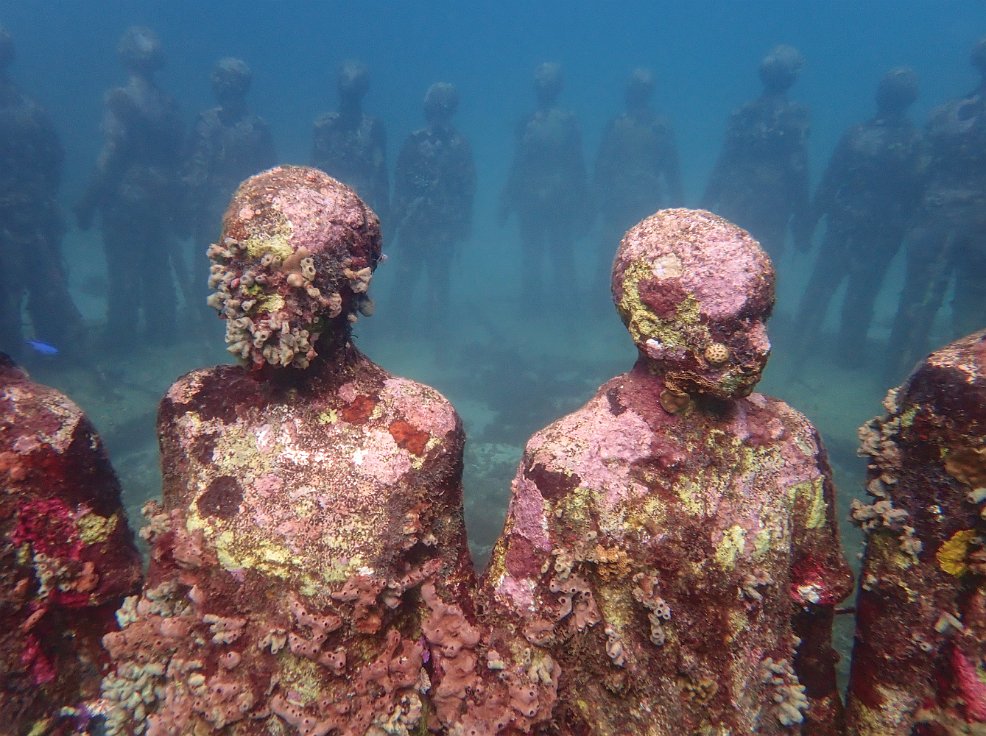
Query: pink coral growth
x,y
32,657
452,639
969,686
48,525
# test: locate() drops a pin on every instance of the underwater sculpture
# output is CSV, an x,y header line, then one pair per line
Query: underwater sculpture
x,y
673,544
351,144
918,659
309,563
760,179
946,247
68,557
135,189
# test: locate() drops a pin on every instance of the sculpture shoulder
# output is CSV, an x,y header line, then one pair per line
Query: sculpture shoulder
x,y
771,421
419,405
596,439
211,393
37,416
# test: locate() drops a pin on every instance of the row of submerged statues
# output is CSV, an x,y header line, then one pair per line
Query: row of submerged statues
x,y
670,561
886,184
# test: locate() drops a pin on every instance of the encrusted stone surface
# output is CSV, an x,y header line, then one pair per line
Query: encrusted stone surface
x,y
919,660
673,544
305,505
68,557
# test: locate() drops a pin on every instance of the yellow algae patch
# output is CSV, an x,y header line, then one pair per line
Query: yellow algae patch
x,y
328,417
577,505
738,623
615,606
40,728
732,545
641,321
812,491
762,542
653,514
952,554
276,243
270,303
305,508
237,450
907,418
302,676
691,496
808,449
94,528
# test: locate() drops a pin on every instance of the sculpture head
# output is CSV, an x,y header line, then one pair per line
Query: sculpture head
x,y
441,102
292,266
640,88
694,291
230,81
780,68
548,82
352,81
897,90
140,50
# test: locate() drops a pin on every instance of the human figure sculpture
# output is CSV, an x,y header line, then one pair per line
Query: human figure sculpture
x,y
637,170
134,188
868,196
920,642
351,145
673,543
947,244
32,273
760,180
68,558
309,562
434,184
228,144
547,190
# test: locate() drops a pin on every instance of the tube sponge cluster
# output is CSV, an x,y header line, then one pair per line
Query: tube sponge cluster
x,y
284,278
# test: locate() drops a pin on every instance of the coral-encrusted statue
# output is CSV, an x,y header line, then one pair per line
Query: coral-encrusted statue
x,y
919,661
68,557
311,532
673,543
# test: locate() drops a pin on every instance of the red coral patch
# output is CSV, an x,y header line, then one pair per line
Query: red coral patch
x,y
360,410
409,437
662,296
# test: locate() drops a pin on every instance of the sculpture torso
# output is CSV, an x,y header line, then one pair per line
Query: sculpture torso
x,y
704,529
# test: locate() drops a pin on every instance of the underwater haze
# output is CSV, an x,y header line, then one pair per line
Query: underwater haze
x,y
510,365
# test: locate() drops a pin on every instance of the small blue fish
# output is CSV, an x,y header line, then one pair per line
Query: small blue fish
x,y
42,347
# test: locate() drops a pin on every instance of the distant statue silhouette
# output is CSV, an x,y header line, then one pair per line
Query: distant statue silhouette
x,y
228,144
31,271
948,241
637,169
547,189
760,180
135,188
434,184
351,145
868,196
